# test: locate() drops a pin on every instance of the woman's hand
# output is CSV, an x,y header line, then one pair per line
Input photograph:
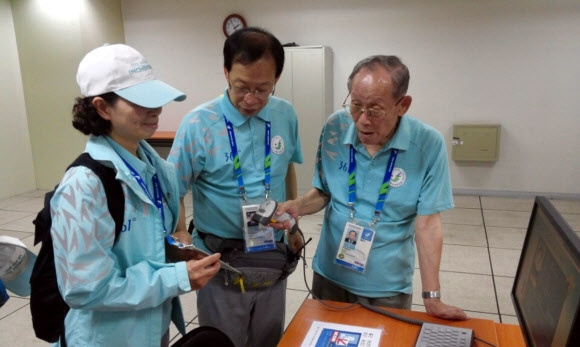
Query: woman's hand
x,y
202,271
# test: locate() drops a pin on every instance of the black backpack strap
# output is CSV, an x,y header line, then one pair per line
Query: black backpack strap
x,y
62,338
113,189
41,228
191,227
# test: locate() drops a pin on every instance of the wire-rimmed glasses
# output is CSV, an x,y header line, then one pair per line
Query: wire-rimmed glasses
x,y
356,111
258,93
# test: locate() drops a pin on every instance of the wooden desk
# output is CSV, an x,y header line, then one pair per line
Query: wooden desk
x,y
162,139
395,333
509,335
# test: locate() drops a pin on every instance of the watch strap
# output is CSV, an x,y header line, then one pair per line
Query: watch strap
x,y
431,294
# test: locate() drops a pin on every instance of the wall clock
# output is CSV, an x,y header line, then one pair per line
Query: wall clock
x,y
232,23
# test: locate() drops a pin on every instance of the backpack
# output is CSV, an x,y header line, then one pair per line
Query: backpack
x,y
46,303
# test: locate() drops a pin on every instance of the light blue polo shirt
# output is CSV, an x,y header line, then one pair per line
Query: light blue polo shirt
x,y
420,184
202,154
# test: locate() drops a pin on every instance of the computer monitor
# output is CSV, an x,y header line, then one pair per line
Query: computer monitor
x,y
546,290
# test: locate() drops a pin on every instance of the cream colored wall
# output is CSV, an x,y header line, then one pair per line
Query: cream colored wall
x,y
51,42
16,171
508,62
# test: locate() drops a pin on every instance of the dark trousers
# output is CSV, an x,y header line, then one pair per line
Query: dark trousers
x,y
326,290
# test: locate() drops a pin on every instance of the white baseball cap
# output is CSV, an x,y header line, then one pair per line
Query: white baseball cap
x,y
121,69
16,263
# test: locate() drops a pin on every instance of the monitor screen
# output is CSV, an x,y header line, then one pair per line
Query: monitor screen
x,y
546,290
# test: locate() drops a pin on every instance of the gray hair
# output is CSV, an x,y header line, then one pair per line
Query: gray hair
x,y
399,72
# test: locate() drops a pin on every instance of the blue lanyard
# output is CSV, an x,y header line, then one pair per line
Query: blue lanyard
x,y
267,159
238,164
383,189
157,200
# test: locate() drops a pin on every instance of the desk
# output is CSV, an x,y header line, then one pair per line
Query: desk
x,y
395,333
162,139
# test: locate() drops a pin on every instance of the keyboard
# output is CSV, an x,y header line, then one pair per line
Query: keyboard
x,y
438,335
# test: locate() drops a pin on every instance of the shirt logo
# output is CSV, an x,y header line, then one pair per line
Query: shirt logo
x,y
398,177
127,226
277,145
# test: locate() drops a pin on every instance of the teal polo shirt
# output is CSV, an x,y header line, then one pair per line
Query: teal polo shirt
x,y
420,185
202,154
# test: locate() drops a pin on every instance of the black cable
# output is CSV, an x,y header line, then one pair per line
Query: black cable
x,y
305,265
392,315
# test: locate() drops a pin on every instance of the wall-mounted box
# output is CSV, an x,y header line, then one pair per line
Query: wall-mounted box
x,y
475,142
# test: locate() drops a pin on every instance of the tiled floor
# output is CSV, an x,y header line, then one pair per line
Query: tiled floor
x,y
483,239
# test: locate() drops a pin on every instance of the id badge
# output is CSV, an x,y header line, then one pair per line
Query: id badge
x,y
355,247
257,237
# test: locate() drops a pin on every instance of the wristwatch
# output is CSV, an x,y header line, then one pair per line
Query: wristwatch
x,y
431,294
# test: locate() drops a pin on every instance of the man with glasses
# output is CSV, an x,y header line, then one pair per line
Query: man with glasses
x,y
236,151
383,174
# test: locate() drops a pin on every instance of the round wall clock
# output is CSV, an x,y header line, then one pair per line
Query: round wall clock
x,y
232,23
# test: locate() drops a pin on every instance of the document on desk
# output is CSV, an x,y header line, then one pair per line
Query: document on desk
x,y
323,334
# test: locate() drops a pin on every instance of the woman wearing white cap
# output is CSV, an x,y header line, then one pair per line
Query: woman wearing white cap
x,y
121,293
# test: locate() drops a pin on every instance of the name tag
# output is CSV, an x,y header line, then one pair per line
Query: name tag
x,y
257,237
355,247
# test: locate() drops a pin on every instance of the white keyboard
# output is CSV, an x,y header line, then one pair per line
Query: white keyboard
x,y
438,335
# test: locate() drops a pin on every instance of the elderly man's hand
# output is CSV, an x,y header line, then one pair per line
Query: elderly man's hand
x,y
437,308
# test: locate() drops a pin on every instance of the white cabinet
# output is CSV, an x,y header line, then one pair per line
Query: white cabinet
x,y
306,82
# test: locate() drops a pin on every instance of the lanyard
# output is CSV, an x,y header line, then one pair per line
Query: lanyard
x,y
238,164
383,189
267,160
157,200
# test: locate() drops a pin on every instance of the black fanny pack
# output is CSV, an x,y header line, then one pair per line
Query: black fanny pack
x,y
259,269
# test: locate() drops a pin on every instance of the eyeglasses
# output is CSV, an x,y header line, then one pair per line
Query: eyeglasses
x,y
258,93
356,111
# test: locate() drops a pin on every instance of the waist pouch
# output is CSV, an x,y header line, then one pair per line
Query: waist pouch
x,y
259,269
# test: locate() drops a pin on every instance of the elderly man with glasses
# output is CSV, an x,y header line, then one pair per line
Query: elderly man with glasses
x,y
236,151
385,175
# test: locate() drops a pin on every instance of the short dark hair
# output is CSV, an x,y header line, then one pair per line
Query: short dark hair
x,y
87,120
247,45
399,72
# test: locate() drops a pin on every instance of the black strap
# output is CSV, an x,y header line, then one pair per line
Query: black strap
x,y
62,336
191,227
211,241
113,189
201,234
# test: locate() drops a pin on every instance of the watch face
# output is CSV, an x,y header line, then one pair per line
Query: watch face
x,y
233,24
